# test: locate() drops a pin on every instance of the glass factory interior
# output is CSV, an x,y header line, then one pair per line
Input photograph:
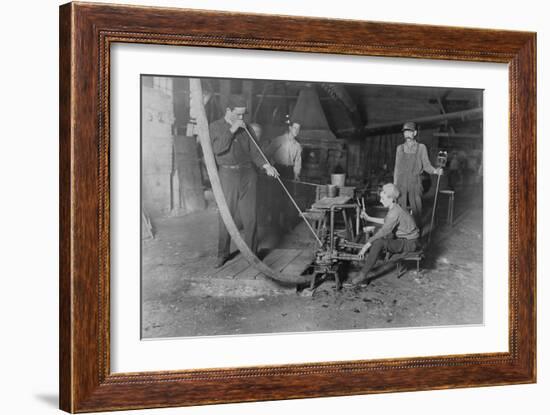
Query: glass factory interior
x,y
347,149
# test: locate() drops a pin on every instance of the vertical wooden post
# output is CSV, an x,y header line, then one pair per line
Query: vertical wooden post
x,y
248,87
225,91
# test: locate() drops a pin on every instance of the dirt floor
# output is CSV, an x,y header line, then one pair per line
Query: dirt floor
x,y
180,298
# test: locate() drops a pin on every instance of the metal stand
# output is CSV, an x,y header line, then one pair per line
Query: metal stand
x,y
433,209
450,205
441,162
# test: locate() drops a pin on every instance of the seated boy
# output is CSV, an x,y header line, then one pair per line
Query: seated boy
x,y
398,234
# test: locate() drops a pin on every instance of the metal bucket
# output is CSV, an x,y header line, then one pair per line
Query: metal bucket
x,y
338,179
332,190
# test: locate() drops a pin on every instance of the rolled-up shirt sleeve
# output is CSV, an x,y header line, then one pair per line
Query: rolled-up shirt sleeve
x,y
390,222
426,165
298,160
255,154
221,138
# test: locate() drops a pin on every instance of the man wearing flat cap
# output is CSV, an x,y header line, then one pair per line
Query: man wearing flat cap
x,y
411,159
237,157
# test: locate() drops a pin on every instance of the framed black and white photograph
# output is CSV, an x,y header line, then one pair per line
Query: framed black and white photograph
x,y
300,183
291,215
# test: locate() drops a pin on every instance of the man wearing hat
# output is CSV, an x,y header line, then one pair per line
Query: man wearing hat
x,y
285,152
411,159
236,157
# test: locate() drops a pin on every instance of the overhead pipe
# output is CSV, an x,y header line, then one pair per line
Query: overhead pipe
x,y
470,114
459,135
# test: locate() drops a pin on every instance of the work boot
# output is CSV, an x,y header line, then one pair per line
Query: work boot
x,y
355,280
359,279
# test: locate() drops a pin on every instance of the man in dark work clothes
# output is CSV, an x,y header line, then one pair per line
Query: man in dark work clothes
x,y
236,157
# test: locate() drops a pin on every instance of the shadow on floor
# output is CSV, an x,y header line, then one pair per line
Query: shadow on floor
x,y
50,399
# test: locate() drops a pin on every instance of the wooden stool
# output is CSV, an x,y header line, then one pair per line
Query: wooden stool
x,y
415,256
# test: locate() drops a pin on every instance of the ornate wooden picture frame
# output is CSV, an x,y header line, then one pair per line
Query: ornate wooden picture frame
x,y
87,32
